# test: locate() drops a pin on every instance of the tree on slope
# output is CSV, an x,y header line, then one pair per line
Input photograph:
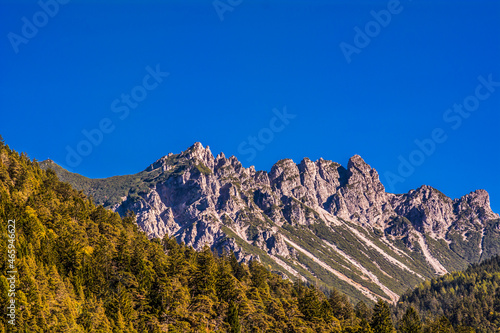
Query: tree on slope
x,y
381,319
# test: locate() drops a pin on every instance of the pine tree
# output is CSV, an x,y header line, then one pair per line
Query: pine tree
x,y
177,264
123,249
233,318
310,304
226,283
120,303
119,326
381,318
204,275
342,308
410,323
258,275
238,269
4,298
440,325
362,311
365,327
93,317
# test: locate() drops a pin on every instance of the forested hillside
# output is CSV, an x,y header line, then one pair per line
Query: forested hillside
x,y
469,298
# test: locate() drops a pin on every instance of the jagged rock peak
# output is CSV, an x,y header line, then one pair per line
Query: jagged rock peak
x,y
197,148
427,191
357,159
306,160
479,198
357,162
204,155
159,163
358,169
284,165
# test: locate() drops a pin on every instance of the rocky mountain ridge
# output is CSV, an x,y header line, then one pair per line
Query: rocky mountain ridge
x,y
315,220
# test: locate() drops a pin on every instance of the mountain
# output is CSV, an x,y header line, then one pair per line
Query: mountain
x,y
316,221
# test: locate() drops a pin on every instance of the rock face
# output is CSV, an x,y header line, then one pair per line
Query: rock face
x,y
315,221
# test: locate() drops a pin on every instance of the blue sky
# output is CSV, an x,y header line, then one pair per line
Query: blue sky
x,y
261,80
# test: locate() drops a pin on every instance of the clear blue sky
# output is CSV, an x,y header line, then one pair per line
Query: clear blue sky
x,y
349,95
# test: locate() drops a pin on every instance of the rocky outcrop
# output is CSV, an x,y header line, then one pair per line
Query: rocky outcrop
x,y
363,198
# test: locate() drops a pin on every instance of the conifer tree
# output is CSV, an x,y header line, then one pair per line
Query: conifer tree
x,y
310,304
204,275
258,275
233,318
238,268
381,318
362,311
342,308
365,327
410,323
440,324
226,283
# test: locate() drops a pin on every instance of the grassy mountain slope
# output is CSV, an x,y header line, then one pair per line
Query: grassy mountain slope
x,y
113,190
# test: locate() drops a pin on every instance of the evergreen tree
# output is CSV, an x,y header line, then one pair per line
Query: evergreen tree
x,y
365,327
410,323
440,325
258,275
342,308
233,318
381,318
226,283
4,298
238,269
310,304
362,311
204,275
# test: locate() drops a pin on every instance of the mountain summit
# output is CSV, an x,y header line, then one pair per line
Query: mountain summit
x,y
316,220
